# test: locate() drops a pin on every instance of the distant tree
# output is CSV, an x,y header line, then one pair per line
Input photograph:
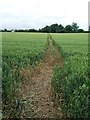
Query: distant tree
x,y
68,28
46,29
60,29
16,30
26,30
5,30
32,30
74,27
19,30
80,30
53,28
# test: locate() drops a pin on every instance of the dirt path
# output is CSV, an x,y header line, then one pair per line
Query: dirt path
x,y
37,94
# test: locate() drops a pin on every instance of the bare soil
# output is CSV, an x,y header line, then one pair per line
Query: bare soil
x,y
37,91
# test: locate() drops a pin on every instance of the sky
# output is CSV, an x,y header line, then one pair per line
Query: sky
x,y
28,14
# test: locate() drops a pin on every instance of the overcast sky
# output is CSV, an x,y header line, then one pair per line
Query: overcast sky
x,y
26,14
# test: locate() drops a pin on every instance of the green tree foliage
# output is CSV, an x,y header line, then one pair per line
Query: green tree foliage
x,y
45,29
60,29
68,28
54,28
74,27
80,30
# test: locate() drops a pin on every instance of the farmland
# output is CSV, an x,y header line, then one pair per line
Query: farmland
x,y
72,80
18,52
23,52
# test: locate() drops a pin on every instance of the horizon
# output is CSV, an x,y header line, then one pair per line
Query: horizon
x,y
39,28
32,14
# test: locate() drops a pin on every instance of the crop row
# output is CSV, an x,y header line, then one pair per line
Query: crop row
x,y
71,82
19,51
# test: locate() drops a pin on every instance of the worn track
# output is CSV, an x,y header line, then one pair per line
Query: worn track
x,y
37,92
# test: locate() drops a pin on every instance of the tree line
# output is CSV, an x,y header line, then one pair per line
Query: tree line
x,y
54,28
